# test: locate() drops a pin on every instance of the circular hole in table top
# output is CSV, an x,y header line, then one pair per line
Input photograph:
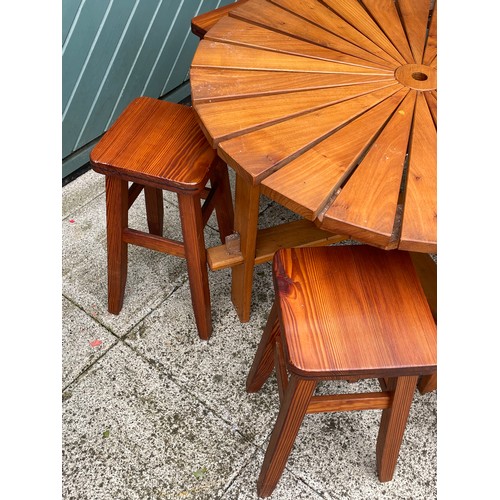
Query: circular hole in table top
x,y
417,76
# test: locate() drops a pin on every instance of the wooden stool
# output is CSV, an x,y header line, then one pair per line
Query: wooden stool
x,y
158,145
347,312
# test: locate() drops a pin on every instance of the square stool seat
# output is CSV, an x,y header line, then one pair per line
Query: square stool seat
x,y
157,143
354,310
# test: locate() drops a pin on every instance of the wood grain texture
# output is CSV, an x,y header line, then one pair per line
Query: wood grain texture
x,y
233,30
271,16
292,411
415,17
308,183
353,311
393,424
263,363
230,56
226,119
293,137
287,92
218,84
156,142
373,204
387,16
419,227
159,146
344,313
430,53
203,22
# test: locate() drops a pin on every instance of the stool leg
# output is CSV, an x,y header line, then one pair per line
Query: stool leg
x,y
427,383
194,246
393,424
224,205
297,396
116,221
154,209
263,362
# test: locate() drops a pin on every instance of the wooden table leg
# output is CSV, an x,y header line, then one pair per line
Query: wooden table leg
x,y
246,214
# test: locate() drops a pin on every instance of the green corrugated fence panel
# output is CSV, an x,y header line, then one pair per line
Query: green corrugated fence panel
x,y
117,77
94,71
69,10
116,50
148,66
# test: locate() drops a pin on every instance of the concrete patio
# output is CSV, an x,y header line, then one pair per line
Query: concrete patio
x,y
152,412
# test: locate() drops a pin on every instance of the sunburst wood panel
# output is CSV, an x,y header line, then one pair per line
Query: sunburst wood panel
x,y
332,108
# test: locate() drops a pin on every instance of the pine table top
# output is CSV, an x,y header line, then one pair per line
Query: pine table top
x,y
331,107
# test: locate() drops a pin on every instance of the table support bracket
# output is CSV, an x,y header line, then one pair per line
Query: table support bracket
x,y
300,233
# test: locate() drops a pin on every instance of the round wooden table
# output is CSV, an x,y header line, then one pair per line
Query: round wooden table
x,y
329,108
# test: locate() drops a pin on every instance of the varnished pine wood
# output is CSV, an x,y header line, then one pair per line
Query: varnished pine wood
x,y
153,242
368,283
358,206
298,233
246,216
263,362
304,99
299,184
253,113
225,55
133,192
292,411
203,22
280,366
350,402
297,136
431,45
276,133
415,16
154,209
426,269
349,20
220,84
230,29
158,145
431,99
271,16
116,222
219,181
419,226
393,424
387,16
342,313
427,383
194,246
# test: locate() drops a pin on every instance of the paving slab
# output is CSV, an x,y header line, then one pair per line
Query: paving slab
x,y
214,371
131,433
289,488
84,341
